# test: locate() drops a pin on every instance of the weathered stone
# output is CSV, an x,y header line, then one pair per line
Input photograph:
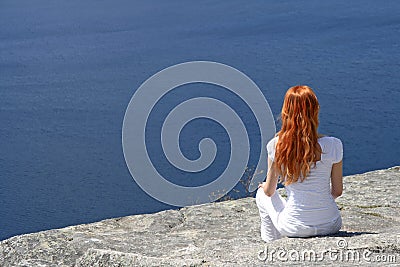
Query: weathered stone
x,y
224,234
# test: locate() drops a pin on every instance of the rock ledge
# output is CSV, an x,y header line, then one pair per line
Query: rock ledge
x,y
224,234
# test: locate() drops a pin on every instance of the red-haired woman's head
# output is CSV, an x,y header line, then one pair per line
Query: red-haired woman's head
x,y
297,145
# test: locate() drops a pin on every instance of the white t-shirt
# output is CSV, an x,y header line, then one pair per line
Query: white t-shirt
x,y
310,202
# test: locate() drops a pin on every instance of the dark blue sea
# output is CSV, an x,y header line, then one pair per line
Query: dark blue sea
x,y
68,70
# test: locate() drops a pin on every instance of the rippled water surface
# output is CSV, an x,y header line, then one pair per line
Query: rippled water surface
x,y
69,68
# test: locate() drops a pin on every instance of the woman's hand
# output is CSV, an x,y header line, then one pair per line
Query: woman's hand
x,y
261,185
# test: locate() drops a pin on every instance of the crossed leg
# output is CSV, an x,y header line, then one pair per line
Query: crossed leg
x,y
269,208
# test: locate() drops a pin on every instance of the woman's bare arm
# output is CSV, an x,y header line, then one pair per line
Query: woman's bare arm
x,y
272,179
337,179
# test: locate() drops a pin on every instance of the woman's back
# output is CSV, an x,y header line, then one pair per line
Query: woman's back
x,y
310,202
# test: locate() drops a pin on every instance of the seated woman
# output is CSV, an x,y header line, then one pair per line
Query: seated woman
x,y
310,167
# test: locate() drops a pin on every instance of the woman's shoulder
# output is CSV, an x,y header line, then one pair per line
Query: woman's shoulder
x,y
271,147
272,142
329,139
332,147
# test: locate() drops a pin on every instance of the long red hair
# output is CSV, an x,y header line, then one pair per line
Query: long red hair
x,y
297,145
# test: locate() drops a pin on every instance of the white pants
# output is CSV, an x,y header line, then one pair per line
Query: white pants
x,y
275,223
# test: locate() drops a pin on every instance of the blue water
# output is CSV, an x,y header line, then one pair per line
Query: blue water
x,y
69,68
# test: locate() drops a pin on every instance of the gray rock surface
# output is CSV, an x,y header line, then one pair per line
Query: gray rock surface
x,y
224,234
